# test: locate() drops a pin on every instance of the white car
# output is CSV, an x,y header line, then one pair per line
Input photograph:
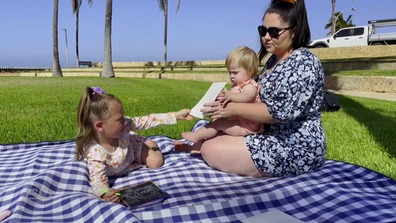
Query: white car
x,y
359,36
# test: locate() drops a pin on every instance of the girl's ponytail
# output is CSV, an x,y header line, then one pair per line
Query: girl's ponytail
x,y
84,125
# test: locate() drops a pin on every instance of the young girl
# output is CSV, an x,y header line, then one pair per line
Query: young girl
x,y
242,64
108,141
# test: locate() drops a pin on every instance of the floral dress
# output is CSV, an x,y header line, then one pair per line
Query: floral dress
x,y
292,91
126,157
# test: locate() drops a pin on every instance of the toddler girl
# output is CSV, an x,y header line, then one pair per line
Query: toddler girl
x,y
108,141
242,64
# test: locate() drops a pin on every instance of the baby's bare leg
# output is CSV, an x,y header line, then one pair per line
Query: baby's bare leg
x,y
183,147
230,127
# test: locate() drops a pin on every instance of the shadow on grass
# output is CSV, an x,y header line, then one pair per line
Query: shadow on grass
x,y
381,127
366,59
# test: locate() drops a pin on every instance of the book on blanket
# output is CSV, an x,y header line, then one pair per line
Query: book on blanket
x,y
141,195
210,96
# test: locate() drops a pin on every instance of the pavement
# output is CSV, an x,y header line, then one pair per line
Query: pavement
x,y
365,94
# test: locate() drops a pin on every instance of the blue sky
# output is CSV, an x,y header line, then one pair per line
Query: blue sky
x,y
201,30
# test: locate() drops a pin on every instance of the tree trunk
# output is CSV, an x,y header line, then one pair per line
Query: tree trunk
x,y
166,31
57,71
77,57
107,63
333,2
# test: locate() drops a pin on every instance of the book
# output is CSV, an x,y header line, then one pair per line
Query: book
x,y
210,96
144,194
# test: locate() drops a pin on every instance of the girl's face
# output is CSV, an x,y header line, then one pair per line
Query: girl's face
x,y
283,42
238,75
114,126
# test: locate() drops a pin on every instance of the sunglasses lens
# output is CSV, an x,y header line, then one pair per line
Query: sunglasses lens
x,y
273,32
262,30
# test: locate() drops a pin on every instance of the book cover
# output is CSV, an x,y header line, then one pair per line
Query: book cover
x,y
141,195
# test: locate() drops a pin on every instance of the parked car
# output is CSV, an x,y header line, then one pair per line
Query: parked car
x,y
359,36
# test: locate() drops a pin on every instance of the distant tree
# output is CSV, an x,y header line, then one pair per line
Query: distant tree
x,y
163,4
340,23
76,10
57,71
333,4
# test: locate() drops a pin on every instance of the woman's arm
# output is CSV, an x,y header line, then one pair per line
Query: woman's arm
x,y
256,112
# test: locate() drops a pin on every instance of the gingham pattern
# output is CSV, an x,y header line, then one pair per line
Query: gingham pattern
x,y
42,182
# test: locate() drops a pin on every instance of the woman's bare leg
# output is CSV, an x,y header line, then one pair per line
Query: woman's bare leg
x,y
229,154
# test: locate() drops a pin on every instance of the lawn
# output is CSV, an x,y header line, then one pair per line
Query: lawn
x,y
388,73
43,109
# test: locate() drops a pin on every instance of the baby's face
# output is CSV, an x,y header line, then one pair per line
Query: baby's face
x,y
238,75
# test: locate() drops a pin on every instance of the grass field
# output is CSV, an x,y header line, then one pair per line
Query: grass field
x,y
43,109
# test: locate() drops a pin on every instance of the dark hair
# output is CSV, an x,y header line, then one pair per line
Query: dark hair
x,y
295,14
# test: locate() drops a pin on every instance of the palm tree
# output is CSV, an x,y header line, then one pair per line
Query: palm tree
x,y
340,23
333,4
107,63
57,71
163,4
76,10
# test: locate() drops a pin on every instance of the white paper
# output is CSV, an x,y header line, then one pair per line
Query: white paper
x,y
210,96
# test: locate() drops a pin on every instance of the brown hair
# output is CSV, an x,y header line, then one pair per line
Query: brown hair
x,y
92,106
246,58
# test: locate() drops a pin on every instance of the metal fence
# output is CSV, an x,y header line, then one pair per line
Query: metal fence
x,y
22,69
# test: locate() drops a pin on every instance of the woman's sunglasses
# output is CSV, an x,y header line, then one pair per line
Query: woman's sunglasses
x,y
274,32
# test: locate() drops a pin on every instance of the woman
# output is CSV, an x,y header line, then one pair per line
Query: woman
x,y
293,141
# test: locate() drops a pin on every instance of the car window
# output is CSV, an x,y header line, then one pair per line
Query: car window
x,y
358,31
343,33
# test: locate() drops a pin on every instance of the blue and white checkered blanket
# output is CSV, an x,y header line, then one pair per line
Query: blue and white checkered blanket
x,y
42,182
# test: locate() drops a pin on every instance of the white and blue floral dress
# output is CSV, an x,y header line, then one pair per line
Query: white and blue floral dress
x,y
292,91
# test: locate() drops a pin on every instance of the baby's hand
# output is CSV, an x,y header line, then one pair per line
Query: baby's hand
x,y
184,115
111,196
225,97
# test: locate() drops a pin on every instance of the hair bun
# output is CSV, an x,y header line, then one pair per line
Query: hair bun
x,y
290,1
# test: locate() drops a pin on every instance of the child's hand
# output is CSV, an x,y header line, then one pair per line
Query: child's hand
x,y
111,196
184,115
225,96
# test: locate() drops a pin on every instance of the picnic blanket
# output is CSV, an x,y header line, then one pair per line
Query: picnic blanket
x,y
42,182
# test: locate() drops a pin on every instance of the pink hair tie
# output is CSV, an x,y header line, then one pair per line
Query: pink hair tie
x,y
97,90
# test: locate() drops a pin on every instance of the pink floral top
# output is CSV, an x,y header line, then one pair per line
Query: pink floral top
x,y
126,157
250,126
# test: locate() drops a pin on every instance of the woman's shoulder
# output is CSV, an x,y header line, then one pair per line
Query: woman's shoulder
x,y
304,54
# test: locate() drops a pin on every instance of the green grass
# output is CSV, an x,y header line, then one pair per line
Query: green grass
x,y
148,71
364,59
388,73
43,109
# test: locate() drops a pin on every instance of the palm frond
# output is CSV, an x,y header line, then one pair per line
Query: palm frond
x,y
76,5
161,4
90,2
178,6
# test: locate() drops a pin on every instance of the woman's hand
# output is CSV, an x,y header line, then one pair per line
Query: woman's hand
x,y
184,115
111,196
216,110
